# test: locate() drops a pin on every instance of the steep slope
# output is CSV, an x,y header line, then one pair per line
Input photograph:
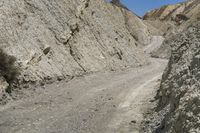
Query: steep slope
x,y
181,15
138,29
61,39
180,85
177,13
178,18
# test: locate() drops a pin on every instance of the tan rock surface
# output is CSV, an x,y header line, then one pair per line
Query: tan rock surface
x,y
66,38
180,85
175,19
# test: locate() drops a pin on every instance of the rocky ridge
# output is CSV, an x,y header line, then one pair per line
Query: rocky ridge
x,y
178,13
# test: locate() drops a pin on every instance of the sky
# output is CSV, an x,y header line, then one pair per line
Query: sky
x,y
140,7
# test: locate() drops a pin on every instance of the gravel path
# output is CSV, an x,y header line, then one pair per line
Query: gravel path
x,y
98,103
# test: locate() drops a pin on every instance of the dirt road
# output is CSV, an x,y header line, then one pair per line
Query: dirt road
x,y
98,103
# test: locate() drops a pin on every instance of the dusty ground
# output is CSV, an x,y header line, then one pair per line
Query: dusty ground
x,y
154,45
98,103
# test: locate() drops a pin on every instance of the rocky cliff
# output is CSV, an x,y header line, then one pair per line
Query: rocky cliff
x,y
60,39
180,85
178,96
175,19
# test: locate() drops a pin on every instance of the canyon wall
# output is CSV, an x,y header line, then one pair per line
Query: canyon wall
x,y
180,84
60,39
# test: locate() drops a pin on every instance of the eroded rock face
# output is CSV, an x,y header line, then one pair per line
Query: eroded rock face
x,y
138,29
176,19
65,38
177,13
180,87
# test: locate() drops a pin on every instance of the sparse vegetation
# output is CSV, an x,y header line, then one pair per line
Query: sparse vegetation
x,y
7,67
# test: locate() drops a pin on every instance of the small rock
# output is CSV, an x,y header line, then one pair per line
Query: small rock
x,y
47,50
60,78
133,122
110,98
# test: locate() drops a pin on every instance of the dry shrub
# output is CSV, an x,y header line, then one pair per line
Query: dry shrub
x,y
7,67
